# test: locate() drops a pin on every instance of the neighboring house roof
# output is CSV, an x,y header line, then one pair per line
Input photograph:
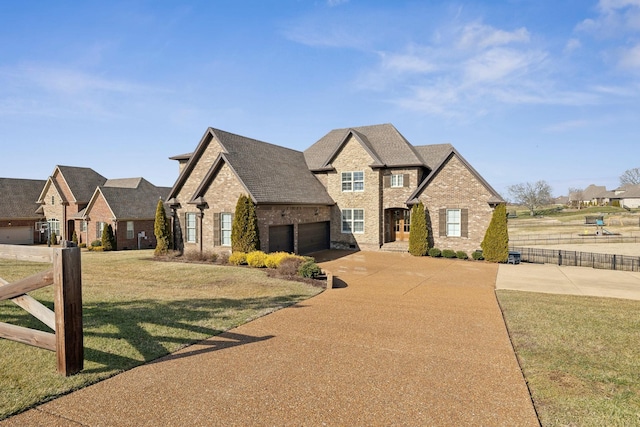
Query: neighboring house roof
x,y
594,192
129,198
627,192
82,182
386,146
18,198
450,152
271,174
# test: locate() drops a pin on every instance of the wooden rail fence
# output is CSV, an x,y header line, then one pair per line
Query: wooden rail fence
x,y
66,319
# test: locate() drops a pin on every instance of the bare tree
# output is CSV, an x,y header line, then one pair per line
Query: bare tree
x,y
630,177
531,195
576,197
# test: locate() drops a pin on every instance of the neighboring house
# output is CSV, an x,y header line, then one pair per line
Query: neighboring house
x,y
593,194
628,196
65,194
353,189
18,206
129,205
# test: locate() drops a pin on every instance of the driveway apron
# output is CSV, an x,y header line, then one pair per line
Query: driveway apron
x,y
401,341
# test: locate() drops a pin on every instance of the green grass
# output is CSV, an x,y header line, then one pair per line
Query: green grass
x,y
135,310
580,356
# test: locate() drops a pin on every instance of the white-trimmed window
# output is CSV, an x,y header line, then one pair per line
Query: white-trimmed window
x,y
54,226
353,221
130,231
454,222
99,227
353,181
225,229
83,226
397,180
191,227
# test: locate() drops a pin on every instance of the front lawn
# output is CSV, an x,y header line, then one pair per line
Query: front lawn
x,y
135,310
580,356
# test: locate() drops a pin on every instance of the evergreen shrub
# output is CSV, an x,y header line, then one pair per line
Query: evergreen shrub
x,y
418,244
435,252
462,255
448,253
238,258
256,259
495,245
309,269
477,255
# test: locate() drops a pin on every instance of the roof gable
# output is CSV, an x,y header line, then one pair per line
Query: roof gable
x,y
386,146
128,201
81,182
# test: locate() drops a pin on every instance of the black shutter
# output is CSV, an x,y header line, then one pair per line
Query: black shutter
x,y
442,217
405,180
217,226
386,181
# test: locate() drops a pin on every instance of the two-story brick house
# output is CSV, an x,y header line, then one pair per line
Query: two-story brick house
x,y
353,188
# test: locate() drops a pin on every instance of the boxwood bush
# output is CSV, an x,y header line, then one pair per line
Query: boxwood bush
x,y
448,253
477,255
435,252
462,255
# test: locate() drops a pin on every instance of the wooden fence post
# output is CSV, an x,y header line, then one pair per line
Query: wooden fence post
x,y
67,285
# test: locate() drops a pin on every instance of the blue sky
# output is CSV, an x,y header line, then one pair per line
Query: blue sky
x,y
526,90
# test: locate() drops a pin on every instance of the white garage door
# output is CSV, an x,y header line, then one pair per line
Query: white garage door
x,y
16,235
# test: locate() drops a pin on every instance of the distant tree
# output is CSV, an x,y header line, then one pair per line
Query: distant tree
x,y
576,197
418,243
108,239
245,236
531,195
495,245
161,230
630,177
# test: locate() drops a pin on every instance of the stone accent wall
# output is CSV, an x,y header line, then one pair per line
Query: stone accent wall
x,y
456,187
269,215
351,158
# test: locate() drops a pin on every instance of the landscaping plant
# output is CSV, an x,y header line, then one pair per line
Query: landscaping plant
x,y
495,245
244,230
418,244
161,230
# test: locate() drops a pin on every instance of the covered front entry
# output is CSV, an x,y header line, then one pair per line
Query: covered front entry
x,y
397,224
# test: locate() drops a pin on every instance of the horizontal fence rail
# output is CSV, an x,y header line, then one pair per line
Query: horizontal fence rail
x,y
538,240
578,259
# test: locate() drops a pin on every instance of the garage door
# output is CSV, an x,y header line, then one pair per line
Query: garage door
x,y
313,237
16,235
281,238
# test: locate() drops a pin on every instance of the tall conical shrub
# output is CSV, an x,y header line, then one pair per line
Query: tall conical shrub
x,y
418,243
245,236
108,239
161,230
495,246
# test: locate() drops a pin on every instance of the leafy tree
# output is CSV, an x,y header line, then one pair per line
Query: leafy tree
x,y
418,244
576,197
531,195
630,177
108,239
245,236
161,230
495,245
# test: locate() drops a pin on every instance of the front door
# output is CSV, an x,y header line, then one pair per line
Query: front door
x,y
402,224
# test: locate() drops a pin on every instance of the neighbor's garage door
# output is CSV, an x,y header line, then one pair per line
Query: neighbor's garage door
x,y
16,235
281,238
313,237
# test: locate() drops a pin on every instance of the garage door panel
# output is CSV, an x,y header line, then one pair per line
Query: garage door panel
x,y
281,238
313,237
16,235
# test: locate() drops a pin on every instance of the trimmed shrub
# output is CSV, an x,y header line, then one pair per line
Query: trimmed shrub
x,y
274,259
223,258
161,230
96,243
74,238
418,244
82,245
495,245
108,239
477,255
244,229
309,269
462,255
435,252
448,253
256,259
197,256
53,239
238,258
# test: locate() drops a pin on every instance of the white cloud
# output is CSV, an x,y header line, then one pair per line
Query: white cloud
x,y
572,45
333,3
567,126
496,65
479,36
630,58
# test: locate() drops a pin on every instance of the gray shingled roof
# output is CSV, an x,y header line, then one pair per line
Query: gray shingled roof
x,y
18,197
81,181
132,198
386,145
433,154
271,173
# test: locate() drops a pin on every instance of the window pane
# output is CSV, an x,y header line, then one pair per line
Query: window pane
x,y
453,222
358,214
225,229
347,184
358,226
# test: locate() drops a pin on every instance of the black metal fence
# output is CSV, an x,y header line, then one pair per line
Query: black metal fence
x,y
579,259
570,239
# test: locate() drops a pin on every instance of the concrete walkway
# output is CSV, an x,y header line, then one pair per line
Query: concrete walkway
x,y
405,341
550,278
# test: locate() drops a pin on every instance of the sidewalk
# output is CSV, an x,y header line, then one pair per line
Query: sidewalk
x,y
550,278
405,341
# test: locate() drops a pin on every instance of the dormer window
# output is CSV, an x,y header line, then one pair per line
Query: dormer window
x,y
353,181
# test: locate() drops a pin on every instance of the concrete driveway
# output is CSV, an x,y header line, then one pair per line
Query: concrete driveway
x,y
406,341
